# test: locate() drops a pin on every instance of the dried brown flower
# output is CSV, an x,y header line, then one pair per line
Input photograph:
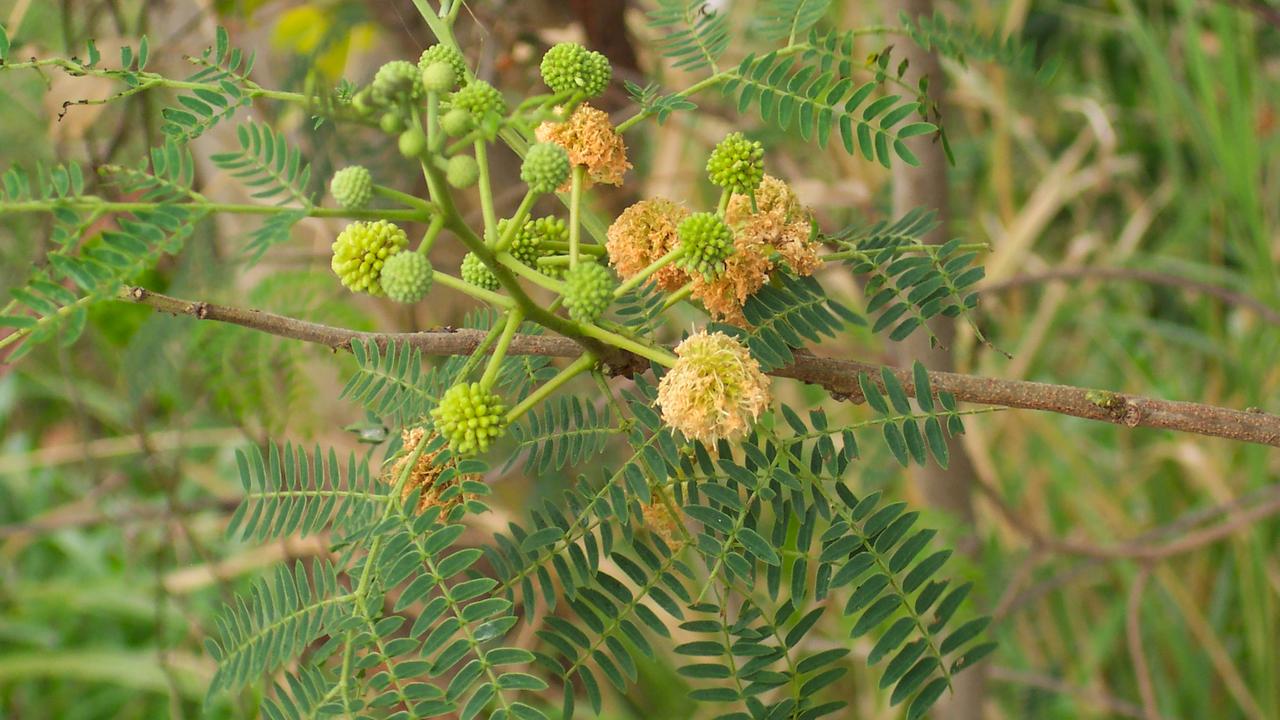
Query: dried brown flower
x,y
643,233
425,474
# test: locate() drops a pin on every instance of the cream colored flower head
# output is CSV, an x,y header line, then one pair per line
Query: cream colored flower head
x,y
715,391
780,221
643,233
591,141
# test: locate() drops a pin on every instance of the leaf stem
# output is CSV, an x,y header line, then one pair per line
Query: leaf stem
x,y
575,213
514,317
463,286
582,364
486,194
635,280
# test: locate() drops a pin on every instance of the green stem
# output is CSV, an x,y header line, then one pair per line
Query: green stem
x,y
563,246
401,197
662,357
582,364
514,317
486,194
528,273
461,285
433,233
434,137
678,295
481,349
575,213
516,222
635,280
723,205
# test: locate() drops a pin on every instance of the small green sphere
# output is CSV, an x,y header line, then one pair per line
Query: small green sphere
x,y
438,77
531,242
737,164
476,273
361,251
470,418
352,187
362,102
447,55
588,291
705,243
456,122
397,80
391,122
406,277
545,168
413,142
480,100
569,67
462,171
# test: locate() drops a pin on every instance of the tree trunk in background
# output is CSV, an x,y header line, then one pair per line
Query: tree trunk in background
x,y
949,490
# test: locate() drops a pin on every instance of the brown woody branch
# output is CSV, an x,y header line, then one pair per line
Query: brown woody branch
x,y
838,376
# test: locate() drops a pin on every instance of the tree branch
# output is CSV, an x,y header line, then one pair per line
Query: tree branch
x,y
838,376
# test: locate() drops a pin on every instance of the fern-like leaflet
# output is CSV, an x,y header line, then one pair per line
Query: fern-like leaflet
x,y
696,34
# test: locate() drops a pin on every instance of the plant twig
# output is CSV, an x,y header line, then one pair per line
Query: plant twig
x,y
838,376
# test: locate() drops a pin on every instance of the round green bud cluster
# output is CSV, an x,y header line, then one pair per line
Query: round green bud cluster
x,y
391,122
456,122
352,187
737,164
438,77
447,55
406,277
398,79
545,168
475,272
479,99
470,418
705,243
588,290
462,171
412,142
530,243
360,252
569,67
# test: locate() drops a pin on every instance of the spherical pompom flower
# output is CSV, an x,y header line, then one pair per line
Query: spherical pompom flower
x,y
592,142
643,233
588,291
360,252
475,272
545,168
737,164
397,80
406,277
778,220
462,171
706,242
438,77
745,272
447,55
715,391
479,99
470,418
531,240
352,187
569,67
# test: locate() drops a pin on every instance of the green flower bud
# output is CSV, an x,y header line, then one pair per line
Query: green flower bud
x,y
737,164
360,252
413,142
397,80
438,77
352,187
406,277
456,122
447,55
479,99
588,291
569,67
462,171
470,418
476,273
529,243
391,123
705,242
545,168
